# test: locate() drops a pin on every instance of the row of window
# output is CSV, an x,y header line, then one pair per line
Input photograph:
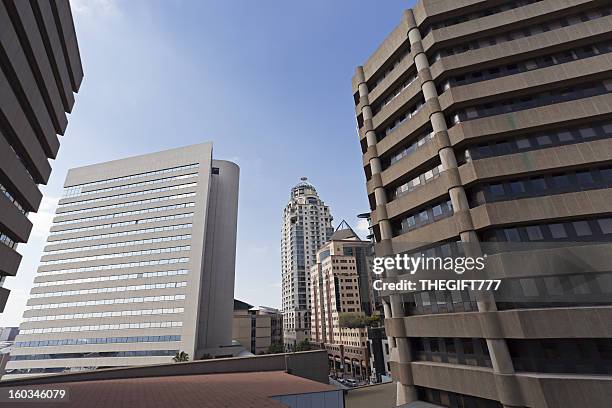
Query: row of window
x,y
96,315
394,93
412,147
6,240
454,400
115,266
123,205
117,234
118,255
138,184
416,182
120,244
527,65
12,199
510,5
556,183
98,340
112,289
121,326
394,64
579,289
596,229
69,191
127,195
122,224
443,301
113,278
521,33
576,356
27,165
532,101
466,351
89,354
424,216
410,112
114,301
539,140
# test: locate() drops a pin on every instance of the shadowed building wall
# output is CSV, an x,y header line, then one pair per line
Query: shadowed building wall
x,y
40,69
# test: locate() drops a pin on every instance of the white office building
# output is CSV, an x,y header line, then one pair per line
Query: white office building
x,y
139,264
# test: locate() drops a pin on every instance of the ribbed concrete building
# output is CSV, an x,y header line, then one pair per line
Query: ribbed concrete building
x,y
40,69
491,121
139,264
306,226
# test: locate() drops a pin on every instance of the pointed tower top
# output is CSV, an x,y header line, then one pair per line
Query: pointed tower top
x,y
344,231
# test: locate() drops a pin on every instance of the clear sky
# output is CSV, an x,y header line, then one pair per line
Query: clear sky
x,y
267,81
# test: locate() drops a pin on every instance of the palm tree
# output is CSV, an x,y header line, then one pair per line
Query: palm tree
x,y
180,357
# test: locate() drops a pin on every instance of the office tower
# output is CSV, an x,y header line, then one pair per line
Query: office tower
x,y
341,299
486,121
40,68
306,226
256,328
139,264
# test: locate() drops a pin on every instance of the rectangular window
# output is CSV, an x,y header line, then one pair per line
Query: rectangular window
x,y
512,235
606,225
587,132
584,177
517,187
523,143
582,228
557,231
497,189
534,233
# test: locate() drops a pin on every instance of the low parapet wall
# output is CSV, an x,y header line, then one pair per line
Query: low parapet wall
x,y
307,364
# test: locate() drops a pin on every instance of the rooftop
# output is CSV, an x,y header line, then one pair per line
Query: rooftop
x,y
228,390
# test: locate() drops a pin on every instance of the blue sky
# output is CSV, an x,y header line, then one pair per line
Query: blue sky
x,y
268,81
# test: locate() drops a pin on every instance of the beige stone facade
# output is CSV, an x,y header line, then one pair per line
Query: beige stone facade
x,y
335,292
490,121
256,328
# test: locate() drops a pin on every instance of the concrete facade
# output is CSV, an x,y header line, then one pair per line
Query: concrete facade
x,y
489,121
306,225
130,274
41,68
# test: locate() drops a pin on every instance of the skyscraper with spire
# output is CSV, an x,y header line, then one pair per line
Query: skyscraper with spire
x,y
307,224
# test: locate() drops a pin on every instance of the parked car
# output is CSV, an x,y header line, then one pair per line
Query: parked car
x,y
341,380
352,382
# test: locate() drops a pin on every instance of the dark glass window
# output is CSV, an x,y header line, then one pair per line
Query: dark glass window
x,y
557,231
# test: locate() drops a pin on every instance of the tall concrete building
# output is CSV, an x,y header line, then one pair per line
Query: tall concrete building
x,y
341,287
307,224
40,68
491,121
139,264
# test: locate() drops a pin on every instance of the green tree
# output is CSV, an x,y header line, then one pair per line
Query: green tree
x,y
276,348
352,320
180,357
373,321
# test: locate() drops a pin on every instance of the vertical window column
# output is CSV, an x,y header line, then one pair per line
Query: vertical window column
x,y
500,356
